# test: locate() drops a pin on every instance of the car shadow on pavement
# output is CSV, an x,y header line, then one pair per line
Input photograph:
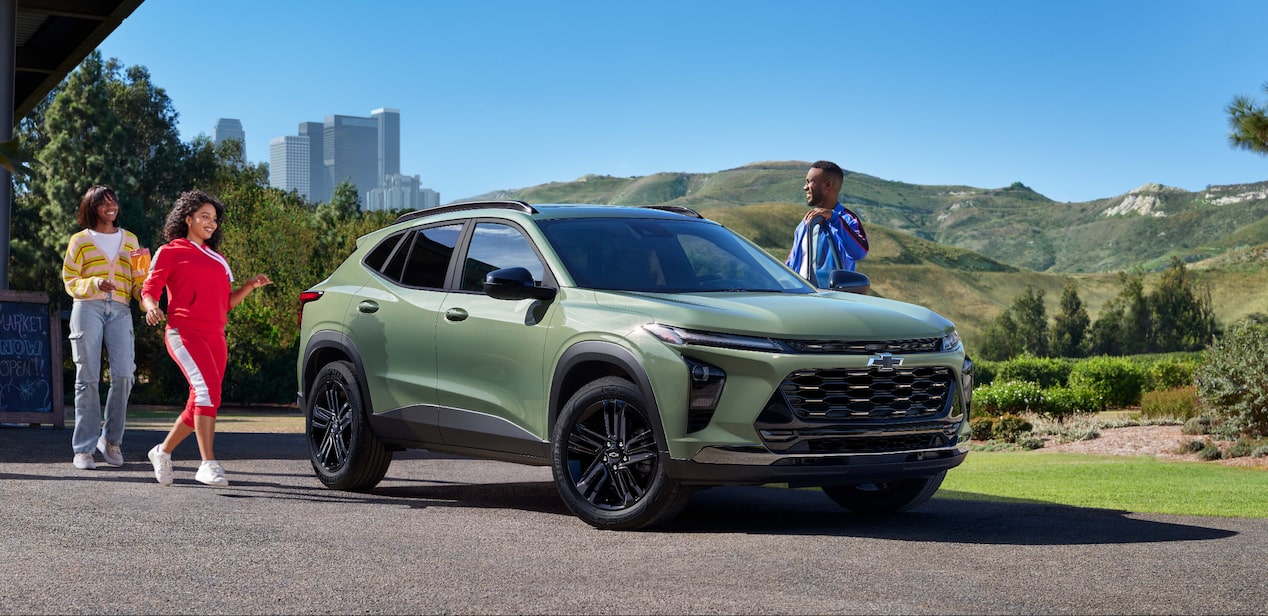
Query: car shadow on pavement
x,y
782,511
252,459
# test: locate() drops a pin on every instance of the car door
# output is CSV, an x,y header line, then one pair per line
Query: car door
x,y
490,374
396,319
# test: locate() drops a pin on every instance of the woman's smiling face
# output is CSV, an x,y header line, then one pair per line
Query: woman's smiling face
x,y
202,223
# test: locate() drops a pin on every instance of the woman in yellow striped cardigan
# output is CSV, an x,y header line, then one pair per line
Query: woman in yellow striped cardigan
x,y
103,271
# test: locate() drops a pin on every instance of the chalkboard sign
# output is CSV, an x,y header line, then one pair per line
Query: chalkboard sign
x,y
30,360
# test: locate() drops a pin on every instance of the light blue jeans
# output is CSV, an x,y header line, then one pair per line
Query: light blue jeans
x,y
94,324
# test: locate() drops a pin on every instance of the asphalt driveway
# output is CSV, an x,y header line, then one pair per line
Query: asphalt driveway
x,y
450,535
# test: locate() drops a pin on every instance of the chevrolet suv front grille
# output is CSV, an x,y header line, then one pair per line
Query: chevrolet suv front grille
x,y
868,393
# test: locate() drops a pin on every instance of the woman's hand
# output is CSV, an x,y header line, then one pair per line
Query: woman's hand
x,y
154,316
259,281
105,286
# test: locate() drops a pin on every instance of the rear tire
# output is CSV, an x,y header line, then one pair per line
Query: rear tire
x,y
344,452
605,461
885,497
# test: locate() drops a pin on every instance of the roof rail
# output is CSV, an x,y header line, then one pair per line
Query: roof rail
x,y
519,206
677,209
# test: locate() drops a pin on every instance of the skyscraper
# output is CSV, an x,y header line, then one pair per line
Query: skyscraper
x,y
389,124
230,128
352,152
319,184
289,164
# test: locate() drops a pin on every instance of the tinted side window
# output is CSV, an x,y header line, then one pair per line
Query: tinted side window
x,y
495,246
377,258
429,255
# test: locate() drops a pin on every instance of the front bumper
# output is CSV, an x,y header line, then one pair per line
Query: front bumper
x,y
757,465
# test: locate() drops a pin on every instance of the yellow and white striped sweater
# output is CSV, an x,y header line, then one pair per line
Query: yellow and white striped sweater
x,y
86,266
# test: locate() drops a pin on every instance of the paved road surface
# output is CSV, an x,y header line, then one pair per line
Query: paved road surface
x,y
449,535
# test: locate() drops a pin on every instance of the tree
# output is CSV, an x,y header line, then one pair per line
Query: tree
x,y
99,127
1032,321
1070,325
1249,124
999,338
1109,331
1182,320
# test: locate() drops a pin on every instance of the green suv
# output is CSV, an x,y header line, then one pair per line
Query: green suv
x,y
641,353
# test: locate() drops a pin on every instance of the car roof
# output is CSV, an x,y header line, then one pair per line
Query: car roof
x,y
548,211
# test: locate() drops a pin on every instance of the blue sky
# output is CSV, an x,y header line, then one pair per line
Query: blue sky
x,y
1077,99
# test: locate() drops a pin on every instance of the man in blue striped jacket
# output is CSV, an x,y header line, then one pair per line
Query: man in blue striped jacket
x,y
835,233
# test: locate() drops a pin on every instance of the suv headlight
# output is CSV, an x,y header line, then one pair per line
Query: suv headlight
x,y
680,336
951,342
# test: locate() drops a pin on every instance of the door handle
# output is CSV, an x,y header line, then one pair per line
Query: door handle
x,y
368,306
456,314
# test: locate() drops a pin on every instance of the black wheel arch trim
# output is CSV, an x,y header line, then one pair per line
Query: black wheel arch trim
x,y
341,342
612,353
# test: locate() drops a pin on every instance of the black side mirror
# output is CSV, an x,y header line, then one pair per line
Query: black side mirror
x,y
850,282
515,283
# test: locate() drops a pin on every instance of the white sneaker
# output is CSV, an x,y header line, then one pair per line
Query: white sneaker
x,y
110,451
211,473
84,461
162,465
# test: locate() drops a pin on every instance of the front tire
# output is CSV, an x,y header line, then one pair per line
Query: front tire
x,y
605,461
885,497
344,452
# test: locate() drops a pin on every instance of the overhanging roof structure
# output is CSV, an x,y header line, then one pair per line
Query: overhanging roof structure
x,y
53,37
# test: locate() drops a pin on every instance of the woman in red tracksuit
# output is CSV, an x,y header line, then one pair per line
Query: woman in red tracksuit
x,y
199,295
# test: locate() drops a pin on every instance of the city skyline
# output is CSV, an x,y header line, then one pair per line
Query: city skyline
x,y
365,151
1078,100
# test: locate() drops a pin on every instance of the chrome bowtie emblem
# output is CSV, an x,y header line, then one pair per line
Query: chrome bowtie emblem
x,y
884,361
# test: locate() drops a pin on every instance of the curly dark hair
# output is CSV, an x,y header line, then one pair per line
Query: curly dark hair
x,y
96,195
175,227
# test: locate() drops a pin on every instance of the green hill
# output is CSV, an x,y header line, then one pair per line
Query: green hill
x,y
968,252
1012,225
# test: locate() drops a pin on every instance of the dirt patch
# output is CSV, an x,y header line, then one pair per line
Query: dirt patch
x,y
1160,441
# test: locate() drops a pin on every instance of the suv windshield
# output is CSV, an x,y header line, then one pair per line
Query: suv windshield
x,y
665,256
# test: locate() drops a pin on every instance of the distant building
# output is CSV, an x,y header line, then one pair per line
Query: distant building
x,y
430,198
230,128
320,188
389,154
364,151
352,152
289,166
401,192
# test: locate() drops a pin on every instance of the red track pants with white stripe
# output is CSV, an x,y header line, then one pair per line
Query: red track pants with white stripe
x,y
202,356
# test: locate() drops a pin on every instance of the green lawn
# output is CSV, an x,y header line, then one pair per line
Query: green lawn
x,y
1141,484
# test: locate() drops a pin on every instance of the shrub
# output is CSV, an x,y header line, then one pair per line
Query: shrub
x,y
1232,381
1197,425
1046,372
1260,452
1116,380
1240,449
1010,397
1063,402
984,372
1028,442
1169,374
1210,452
1179,403
1009,427
981,428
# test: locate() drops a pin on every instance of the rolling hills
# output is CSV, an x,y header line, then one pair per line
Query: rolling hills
x,y
967,252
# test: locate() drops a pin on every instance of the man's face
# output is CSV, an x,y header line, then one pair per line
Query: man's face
x,y
819,189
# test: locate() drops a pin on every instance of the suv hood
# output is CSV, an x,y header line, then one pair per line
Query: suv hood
x,y
826,314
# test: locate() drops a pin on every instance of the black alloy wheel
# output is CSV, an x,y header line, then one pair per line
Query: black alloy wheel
x,y
606,462
343,450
